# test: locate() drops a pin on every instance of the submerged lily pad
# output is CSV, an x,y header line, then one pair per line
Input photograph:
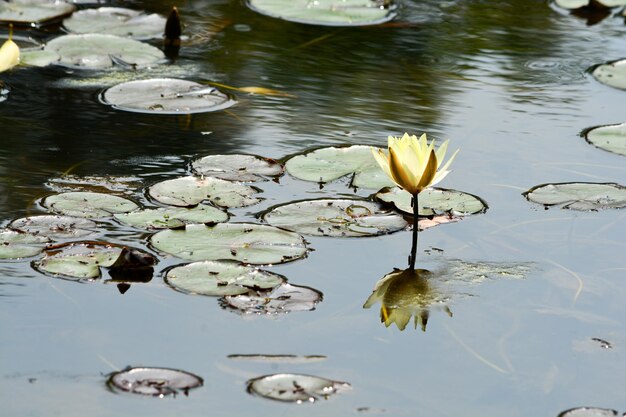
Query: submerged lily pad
x,y
190,191
165,96
244,242
218,278
581,196
246,168
335,217
88,204
612,73
32,12
285,298
434,201
576,4
117,21
54,226
17,244
158,382
165,218
611,138
588,412
296,388
97,184
328,164
96,51
326,12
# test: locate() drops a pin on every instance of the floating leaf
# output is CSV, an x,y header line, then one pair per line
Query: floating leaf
x,y
244,242
165,96
38,57
218,278
88,204
116,21
612,73
164,218
158,382
246,168
54,226
96,184
17,244
36,13
285,298
581,196
576,4
328,164
588,412
326,12
189,191
96,51
611,138
335,217
434,201
295,387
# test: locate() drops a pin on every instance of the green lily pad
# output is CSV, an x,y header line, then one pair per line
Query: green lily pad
x,y
190,191
248,243
328,164
576,4
219,278
88,204
612,73
165,96
96,51
285,298
588,412
157,382
37,13
434,201
96,184
167,218
611,138
335,217
295,388
583,196
16,244
326,12
246,168
38,57
117,21
54,226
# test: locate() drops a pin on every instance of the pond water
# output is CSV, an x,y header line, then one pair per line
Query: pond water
x,y
535,296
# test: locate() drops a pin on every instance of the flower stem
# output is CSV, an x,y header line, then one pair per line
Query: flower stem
x,y
413,256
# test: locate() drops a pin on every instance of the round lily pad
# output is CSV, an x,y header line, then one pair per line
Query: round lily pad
x,y
576,4
88,204
98,184
190,191
434,201
326,12
97,51
612,73
218,278
54,226
165,218
296,388
583,196
285,298
38,57
588,412
335,217
246,168
572,4
165,96
117,21
158,382
29,12
248,243
611,138
18,244
328,164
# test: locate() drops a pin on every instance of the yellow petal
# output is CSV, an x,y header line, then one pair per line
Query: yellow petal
x,y
9,55
441,151
382,160
399,173
429,172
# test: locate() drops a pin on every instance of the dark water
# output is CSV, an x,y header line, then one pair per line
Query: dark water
x,y
505,81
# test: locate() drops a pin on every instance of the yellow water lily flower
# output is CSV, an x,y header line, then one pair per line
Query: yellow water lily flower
x,y
9,55
412,163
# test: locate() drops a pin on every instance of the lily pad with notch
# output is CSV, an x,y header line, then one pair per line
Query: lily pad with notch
x,y
167,218
55,226
18,244
588,412
335,217
34,13
435,201
285,298
244,242
245,168
612,73
116,21
165,96
88,204
582,196
296,388
156,382
611,138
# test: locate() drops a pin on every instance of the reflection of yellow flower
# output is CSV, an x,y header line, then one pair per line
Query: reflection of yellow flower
x,y
9,55
413,164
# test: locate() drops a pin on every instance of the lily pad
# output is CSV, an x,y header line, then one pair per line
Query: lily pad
x,y
219,278
246,168
54,226
98,184
576,4
326,12
611,138
588,412
243,242
38,57
296,388
190,191
165,96
328,164
117,21
34,12
158,382
583,196
612,73
88,204
283,299
434,201
335,217
97,51
17,244
166,218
